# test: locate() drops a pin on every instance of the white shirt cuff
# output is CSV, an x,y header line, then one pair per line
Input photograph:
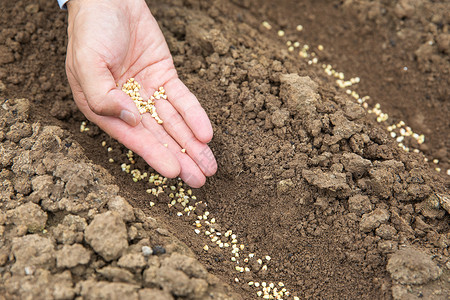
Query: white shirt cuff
x,y
62,4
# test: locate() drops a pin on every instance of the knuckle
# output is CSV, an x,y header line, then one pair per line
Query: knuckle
x,y
97,107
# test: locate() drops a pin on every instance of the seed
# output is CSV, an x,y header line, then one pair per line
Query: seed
x,y
267,25
320,47
165,145
103,144
183,150
206,248
179,213
280,33
111,160
197,231
299,28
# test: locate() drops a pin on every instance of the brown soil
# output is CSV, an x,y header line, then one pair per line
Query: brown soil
x,y
305,175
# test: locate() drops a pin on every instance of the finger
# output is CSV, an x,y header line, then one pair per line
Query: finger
x,y
181,98
190,109
175,125
139,140
190,172
103,96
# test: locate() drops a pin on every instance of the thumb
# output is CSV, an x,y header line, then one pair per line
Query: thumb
x,y
103,96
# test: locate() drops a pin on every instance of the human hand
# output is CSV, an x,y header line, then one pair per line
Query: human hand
x,y
111,41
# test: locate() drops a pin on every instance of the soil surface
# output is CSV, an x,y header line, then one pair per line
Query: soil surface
x,y
318,195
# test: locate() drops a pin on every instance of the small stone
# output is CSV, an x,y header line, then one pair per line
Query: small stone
x,y
158,250
147,251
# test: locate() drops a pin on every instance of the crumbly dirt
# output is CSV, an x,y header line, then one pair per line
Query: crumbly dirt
x,y
305,176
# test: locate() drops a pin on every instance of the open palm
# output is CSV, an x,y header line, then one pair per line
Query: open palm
x,y
111,41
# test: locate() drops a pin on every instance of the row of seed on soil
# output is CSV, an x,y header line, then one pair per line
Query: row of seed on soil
x,y
182,199
399,131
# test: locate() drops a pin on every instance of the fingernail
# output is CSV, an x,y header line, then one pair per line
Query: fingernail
x,y
128,117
